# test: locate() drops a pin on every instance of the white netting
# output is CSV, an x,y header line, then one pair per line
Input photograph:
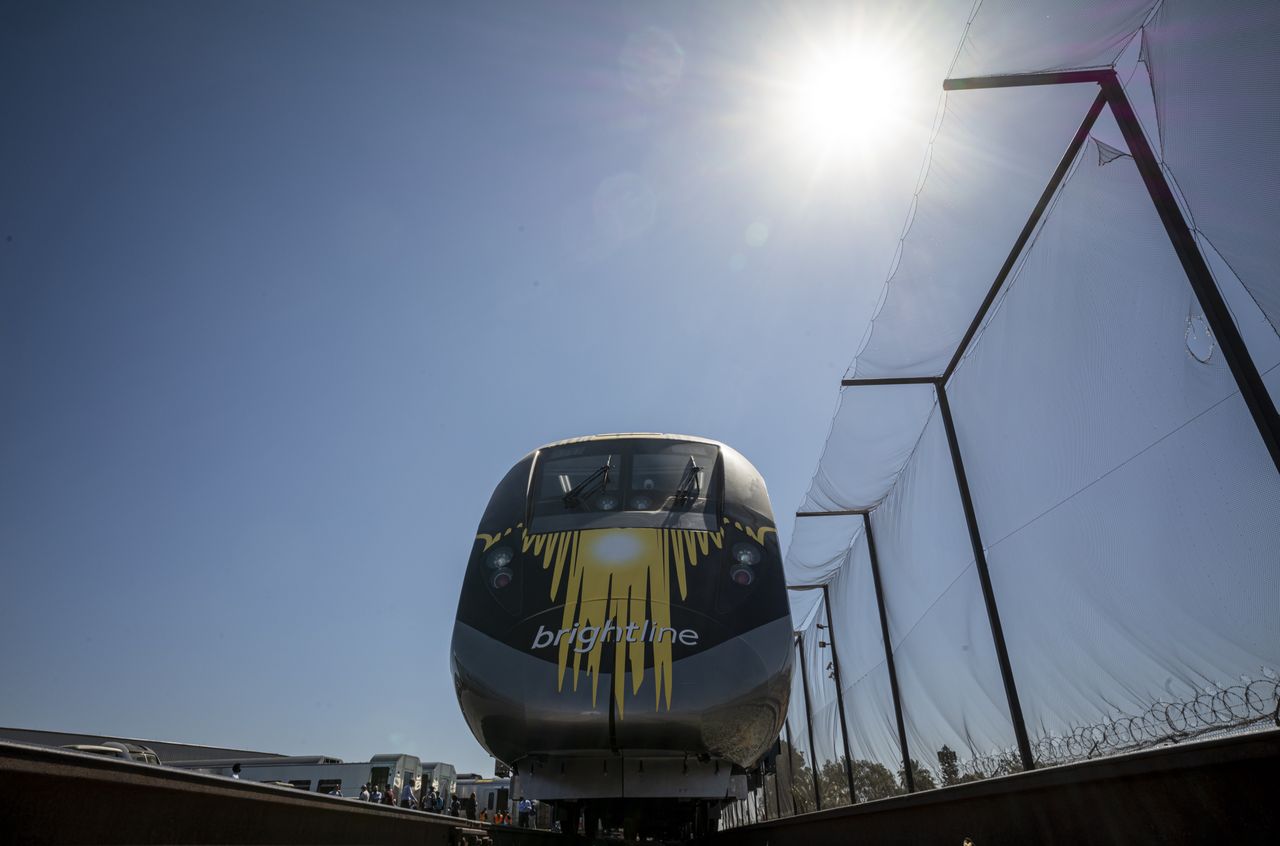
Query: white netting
x,y
1128,506
799,754
1215,67
872,436
864,677
993,155
1025,36
950,683
1128,509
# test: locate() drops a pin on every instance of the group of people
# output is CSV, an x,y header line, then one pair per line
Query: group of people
x,y
524,810
434,802
386,795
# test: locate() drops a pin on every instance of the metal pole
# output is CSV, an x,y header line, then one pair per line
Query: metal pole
x,y
808,713
835,666
777,791
1021,80
984,577
1028,228
890,380
791,769
888,654
1234,351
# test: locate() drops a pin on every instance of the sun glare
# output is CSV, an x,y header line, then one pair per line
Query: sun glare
x,y
843,102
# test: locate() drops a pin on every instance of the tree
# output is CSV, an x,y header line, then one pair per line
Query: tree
x,y
872,780
949,764
923,778
833,784
796,780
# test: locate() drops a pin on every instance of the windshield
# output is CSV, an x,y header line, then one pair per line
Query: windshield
x,y
575,483
624,478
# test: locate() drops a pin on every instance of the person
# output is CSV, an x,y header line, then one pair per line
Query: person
x,y
454,805
389,796
484,815
235,770
364,793
471,806
523,809
377,794
407,799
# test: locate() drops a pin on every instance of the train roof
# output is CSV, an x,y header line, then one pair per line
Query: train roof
x,y
619,435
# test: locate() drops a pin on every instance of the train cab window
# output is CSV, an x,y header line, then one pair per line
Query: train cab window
x,y
580,483
669,481
641,482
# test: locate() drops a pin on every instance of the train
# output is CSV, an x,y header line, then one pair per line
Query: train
x,y
623,639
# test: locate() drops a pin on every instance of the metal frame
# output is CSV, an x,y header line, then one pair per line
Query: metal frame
x,y
777,792
791,767
835,666
908,776
988,595
1236,354
1046,197
808,713
865,514
980,562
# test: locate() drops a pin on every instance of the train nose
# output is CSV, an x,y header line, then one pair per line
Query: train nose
x,y
628,684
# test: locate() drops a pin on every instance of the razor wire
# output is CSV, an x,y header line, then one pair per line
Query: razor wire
x,y
1213,711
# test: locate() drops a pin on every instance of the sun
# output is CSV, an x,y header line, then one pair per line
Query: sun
x,y
842,101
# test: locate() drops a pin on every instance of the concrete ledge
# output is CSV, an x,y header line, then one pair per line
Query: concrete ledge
x,y
1213,791
58,796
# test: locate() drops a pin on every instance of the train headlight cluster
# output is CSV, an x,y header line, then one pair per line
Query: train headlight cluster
x,y
499,561
745,557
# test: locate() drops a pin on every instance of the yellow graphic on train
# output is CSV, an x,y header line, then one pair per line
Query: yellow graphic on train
x,y
616,586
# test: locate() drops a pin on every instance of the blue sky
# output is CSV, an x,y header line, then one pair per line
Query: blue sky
x,y
286,288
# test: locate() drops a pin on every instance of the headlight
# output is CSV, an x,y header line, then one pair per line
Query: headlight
x,y
742,575
501,579
498,558
608,502
746,554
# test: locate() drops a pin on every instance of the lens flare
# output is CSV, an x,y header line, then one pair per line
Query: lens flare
x,y
844,99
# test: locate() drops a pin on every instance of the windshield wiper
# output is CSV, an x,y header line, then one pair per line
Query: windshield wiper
x,y
689,486
596,481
